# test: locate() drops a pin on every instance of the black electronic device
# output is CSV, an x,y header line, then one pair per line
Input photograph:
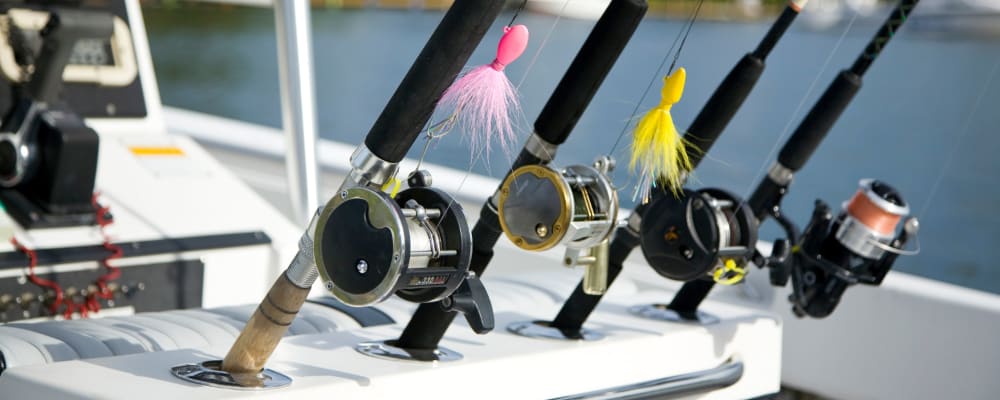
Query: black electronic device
x,y
48,155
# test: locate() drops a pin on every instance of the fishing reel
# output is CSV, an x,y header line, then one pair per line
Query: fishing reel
x,y
540,208
416,245
858,246
707,233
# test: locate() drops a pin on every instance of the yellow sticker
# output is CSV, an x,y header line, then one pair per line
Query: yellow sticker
x,y
156,151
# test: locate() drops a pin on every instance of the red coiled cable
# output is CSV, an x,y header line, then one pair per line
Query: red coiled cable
x,y
91,303
116,252
41,282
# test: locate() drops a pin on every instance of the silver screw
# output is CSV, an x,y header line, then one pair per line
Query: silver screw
x,y
541,230
343,194
362,266
329,285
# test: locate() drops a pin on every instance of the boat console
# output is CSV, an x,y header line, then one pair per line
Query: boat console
x,y
105,213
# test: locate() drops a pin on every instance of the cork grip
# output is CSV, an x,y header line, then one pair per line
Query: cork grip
x,y
266,327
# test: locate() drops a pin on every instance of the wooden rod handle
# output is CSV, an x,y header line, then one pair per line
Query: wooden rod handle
x,y
268,324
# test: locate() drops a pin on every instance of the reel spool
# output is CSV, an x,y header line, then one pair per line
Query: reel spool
x,y
870,218
703,233
369,246
541,208
859,246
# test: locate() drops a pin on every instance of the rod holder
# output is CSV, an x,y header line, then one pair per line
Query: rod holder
x,y
210,373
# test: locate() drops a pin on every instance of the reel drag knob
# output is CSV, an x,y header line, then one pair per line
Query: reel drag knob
x,y
369,245
703,233
540,208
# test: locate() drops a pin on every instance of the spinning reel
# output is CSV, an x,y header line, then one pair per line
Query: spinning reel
x,y
417,245
707,233
859,246
541,208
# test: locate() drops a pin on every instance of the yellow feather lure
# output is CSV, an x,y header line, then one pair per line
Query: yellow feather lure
x,y
658,150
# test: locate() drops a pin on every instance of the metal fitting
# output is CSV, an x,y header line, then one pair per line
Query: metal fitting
x,y
634,221
302,271
780,174
368,169
540,148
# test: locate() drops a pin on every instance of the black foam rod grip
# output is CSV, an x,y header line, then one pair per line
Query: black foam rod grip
x,y
820,119
440,61
722,106
587,71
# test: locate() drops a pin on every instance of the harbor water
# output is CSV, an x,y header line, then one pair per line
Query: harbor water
x,y
925,121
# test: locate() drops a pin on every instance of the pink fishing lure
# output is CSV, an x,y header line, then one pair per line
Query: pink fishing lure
x,y
483,101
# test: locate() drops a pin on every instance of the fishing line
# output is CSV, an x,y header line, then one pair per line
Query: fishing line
x,y
685,30
961,138
443,128
544,41
449,122
798,109
517,12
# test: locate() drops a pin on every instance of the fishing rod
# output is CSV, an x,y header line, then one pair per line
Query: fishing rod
x,y
860,246
557,119
346,241
706,128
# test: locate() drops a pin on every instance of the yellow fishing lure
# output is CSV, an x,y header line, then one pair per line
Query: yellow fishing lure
x,y
658,150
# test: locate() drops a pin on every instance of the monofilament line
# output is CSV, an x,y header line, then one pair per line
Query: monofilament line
x,y
527,70
682,38
798,109
961,139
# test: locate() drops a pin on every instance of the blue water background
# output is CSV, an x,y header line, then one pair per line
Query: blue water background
x,y
911,124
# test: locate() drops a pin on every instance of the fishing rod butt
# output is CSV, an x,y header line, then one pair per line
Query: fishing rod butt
x,y
442,58
269,323
243,367
591,65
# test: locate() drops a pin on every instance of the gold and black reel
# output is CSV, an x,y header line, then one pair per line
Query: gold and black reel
x,y
541,208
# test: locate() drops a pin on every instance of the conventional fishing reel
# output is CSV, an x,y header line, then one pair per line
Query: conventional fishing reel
x,y
700,234
858,246
417,245
540,208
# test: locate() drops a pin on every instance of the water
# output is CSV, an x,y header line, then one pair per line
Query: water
x,y
914,120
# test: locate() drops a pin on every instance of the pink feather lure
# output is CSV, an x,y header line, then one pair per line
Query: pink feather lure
x,y
483,100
